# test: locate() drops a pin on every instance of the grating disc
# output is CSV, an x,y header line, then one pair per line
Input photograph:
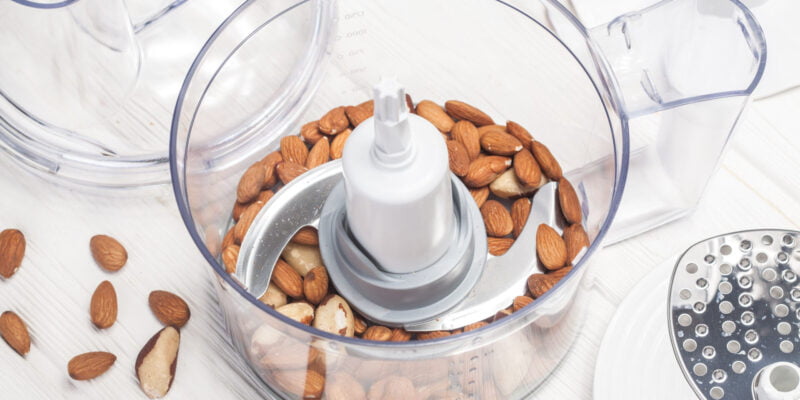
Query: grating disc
x,y
734,306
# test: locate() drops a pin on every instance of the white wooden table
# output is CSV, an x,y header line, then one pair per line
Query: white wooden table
x,y
757,186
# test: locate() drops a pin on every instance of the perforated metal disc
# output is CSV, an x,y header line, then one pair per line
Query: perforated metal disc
x,y
734,308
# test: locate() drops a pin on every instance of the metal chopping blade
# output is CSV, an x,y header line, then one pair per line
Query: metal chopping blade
x,y
734,310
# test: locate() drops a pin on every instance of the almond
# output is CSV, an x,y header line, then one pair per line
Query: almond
x,y
499,246
568,199
307,235
377,333
527,169
342,386
315,285
12,250
507,186
228,239
238,209
334,315
265,196
288,170
520,211
337,146
294,150
90,365
359,325
435,115
561,272
432,335
334,122
550,248
287,279
484,170
480,195
103,307
273,297
491,128
499,143
319,154
357,114
245,220
169,308
300,312
250,183
465,133
155,365
301,257
461,110
475,325
576,239
230,255
108,252
400,335
548,163
306,383
539,284
269,163
15,333
520,133
496,218
459,159
310,133
521,301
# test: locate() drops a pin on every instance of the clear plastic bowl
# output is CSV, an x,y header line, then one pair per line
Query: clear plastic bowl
x,y
274,65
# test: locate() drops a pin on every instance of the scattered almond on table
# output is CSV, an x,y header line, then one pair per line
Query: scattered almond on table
x,y
90,365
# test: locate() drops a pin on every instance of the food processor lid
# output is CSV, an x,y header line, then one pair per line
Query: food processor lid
x,y
87,91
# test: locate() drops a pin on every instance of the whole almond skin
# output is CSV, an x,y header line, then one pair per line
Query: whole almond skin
x,y
310,133
108,252
539,284
90,365
496,218
435,115
156,362
269,163
458,157
489,128
250,183
228,239
521,301
238,209
466,133
568,199
357,114
548,163
475,325
288,171
245,220
520,133
461,110
400,335
337,146
484,170
499,246
377,333
576,239
12,251
432,335
550,248
334,122
359,325
169,308
526,168
15,333
230,255
307,235
480,195
294,150
315,285
319,154
287,279
265,195
103,307
520,210
500,143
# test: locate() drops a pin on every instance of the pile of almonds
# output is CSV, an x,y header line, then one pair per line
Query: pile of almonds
x,y
155,365
502,165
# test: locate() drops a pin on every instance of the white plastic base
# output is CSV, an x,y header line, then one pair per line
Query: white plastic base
x,y
636,360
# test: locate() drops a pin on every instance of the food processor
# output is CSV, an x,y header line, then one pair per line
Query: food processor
x,y
644,103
